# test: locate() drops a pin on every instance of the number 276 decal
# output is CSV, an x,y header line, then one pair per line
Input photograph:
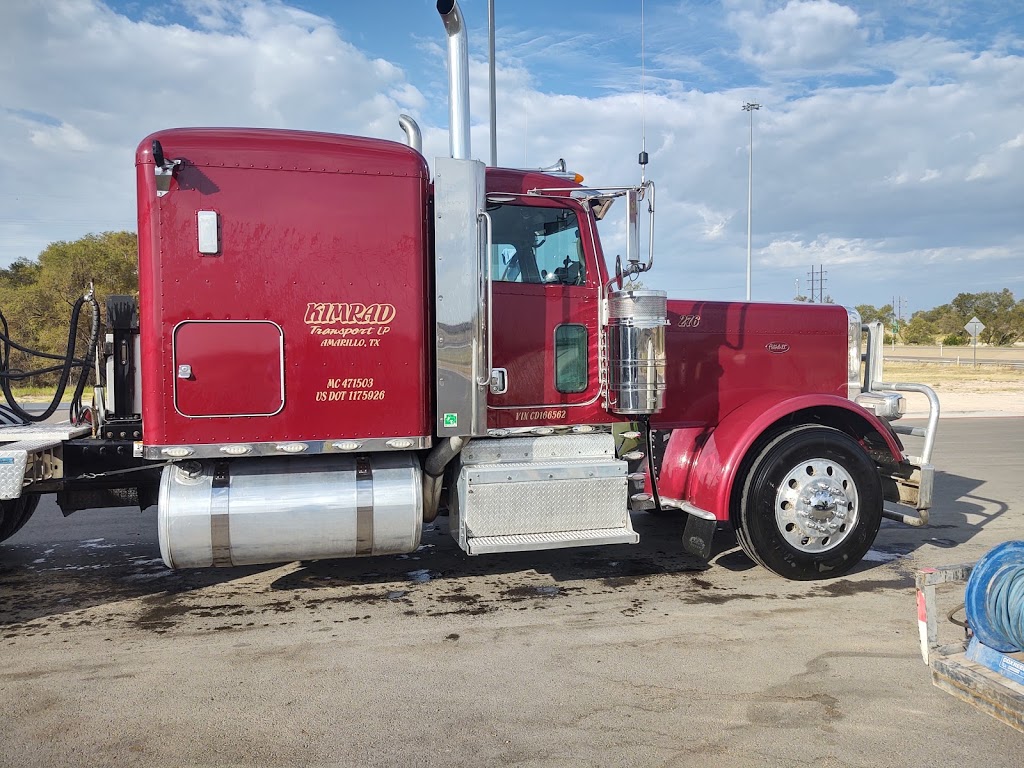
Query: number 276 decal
x,y
689,321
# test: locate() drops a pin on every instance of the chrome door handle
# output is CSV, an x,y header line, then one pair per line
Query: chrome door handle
x,y
499,381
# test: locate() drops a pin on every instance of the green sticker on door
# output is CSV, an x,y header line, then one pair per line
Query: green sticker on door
x,y
451,420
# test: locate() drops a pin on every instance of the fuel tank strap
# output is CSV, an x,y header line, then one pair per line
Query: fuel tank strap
x,y
220,508
364,506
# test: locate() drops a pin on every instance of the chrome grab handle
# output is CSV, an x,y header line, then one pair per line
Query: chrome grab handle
x,y
873,357
485,380
933,414
650,232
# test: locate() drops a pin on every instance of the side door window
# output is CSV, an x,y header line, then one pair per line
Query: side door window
x,y
536,245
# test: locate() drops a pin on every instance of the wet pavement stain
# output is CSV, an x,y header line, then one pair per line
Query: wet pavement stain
x,y
134,590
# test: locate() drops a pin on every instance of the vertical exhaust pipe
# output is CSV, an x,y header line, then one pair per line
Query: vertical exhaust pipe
x,y
458,78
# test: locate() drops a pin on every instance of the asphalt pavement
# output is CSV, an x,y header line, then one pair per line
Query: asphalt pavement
x,y
621,655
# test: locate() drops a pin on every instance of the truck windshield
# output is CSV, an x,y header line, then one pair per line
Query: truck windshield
x,y
532,244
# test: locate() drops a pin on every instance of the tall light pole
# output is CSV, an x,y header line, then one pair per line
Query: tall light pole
x,y
750,106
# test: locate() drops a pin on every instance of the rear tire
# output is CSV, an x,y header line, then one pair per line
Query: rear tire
x,y
811,504
14,513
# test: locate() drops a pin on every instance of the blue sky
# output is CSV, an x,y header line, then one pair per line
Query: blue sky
x,y
889,147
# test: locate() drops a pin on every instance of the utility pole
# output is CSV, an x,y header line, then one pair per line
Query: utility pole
x,y
750,106
821,283
899,305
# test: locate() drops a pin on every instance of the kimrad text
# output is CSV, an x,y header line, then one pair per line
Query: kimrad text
x,y
344,324
342,313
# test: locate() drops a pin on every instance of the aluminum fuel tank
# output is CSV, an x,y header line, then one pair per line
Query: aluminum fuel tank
x,y
269,510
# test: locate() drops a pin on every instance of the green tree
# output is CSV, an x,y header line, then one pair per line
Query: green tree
x,y
919,330
37,295
1000,313
869,314
946,321
21,272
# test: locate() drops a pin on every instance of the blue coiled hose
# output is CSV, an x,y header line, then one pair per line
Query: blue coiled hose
x,y
994,600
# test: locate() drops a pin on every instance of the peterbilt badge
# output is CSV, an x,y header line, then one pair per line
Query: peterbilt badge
x,y
777,347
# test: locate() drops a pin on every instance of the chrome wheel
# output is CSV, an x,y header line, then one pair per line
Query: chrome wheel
x,y
816,506
811,503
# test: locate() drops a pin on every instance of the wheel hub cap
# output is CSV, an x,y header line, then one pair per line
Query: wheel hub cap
x,y
816,505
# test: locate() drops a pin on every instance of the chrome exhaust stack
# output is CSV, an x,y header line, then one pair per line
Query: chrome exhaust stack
x,y
458,78
413,136
462,248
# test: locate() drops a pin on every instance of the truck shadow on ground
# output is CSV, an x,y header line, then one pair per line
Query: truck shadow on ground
x,y
439,556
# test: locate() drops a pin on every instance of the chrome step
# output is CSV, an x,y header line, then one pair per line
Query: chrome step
x,y
525,542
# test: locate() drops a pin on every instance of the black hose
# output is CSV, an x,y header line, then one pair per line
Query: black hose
x,y
649,439
70,362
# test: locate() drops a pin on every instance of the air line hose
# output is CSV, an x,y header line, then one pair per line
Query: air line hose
x,y
994,599
68,363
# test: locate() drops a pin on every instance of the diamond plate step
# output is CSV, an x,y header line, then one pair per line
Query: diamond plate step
x,y
32,452
53,432
524,542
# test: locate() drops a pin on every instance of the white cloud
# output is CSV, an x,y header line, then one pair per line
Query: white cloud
x,y
59,137
868,179
79,79
797,254
802,34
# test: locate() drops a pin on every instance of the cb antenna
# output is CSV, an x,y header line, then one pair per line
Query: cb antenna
x,y
643,102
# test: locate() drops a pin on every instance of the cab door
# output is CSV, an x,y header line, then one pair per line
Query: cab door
x,y
545,287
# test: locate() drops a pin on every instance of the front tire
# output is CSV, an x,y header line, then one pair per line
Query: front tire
x,y
811,504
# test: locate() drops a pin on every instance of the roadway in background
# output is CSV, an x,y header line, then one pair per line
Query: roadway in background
x,y
1011,356
628,656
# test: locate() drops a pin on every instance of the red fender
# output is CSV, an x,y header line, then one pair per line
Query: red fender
x,y
700,463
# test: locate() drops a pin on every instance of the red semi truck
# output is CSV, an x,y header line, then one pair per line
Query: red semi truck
x,y
330,347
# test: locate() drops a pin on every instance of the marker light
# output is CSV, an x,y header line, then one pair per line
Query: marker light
x,y
347,445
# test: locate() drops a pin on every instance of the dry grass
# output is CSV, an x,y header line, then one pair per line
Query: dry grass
x,y
963,378
44,394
